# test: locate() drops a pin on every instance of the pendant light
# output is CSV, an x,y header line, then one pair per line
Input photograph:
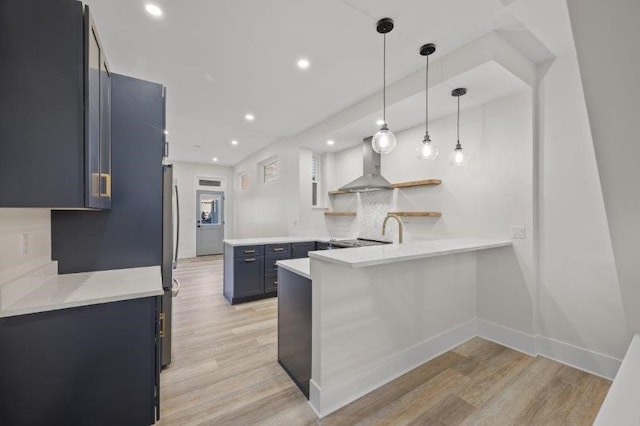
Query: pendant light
x,y
426,150
458,157
384,141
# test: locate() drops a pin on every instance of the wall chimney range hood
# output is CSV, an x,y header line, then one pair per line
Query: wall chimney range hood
x,y
371,180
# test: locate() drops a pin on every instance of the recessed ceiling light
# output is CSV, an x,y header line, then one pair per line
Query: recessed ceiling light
x,y
330,142
234,142
153,10
303,63
249,117
214,159
380,122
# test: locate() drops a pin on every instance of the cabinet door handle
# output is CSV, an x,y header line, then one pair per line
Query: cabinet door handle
x,y
162,322
275,283
107,185
278,249
251,259
249,251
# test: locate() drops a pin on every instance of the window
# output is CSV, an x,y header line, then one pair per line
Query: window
x,y
244,181
271,171
205,182
315,180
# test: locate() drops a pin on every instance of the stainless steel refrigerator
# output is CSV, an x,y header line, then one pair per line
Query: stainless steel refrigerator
x,y
170,240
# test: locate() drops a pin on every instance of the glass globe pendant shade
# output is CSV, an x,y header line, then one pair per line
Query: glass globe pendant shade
x,y
426,150
458,157
384,141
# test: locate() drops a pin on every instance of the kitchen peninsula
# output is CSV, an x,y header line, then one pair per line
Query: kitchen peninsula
x,y
375,313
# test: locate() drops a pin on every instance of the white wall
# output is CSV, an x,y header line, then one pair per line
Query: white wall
x,y
579,295
268,209
186,174
606,36
13,223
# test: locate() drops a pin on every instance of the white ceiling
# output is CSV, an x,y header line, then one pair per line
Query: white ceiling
x,y
221,59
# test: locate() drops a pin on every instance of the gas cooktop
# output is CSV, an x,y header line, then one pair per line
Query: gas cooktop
x,y
359,242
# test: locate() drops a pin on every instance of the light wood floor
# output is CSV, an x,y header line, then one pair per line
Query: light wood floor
x,y
224,371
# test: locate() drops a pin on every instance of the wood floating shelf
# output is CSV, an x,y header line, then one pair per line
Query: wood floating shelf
x,y
426,182
340,213
417,214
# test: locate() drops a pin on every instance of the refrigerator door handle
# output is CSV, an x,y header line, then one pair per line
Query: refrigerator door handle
x,y
175,255
175,288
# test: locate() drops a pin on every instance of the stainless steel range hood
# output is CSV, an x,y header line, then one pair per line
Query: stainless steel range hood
x,y
372,180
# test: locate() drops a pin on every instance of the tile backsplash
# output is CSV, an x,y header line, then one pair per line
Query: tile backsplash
x,y
372,209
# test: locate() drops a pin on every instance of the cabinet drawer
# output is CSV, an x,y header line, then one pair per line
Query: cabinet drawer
x,y
300,250
277,248
270,262
244,251
271,283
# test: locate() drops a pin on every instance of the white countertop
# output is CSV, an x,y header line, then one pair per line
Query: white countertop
x,y
274,240
301,266
44,290
379,255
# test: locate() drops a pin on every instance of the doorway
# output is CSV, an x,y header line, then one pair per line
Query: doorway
x,y
209,222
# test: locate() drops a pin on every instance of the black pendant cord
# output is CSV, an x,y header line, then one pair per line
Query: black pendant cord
x,y
458,146
426,116
384,79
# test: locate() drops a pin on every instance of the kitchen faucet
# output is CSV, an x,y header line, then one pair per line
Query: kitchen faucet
x,y
400,226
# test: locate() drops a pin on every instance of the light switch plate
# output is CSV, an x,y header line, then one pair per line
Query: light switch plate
x,y
518,232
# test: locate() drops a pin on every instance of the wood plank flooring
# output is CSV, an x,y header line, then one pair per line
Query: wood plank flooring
x,y
224,372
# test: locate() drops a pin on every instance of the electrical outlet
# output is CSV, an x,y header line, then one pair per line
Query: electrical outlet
x,y
518,232
23,244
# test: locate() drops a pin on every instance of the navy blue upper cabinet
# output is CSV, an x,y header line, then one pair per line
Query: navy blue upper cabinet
x,y
54,107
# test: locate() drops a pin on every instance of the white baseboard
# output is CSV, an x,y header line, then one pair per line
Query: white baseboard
x,y
508,337
580,358
573,356
187,255
325,401
315,395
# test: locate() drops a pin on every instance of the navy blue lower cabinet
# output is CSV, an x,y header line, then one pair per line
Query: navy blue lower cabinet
x,y
90,365
270,266
249,276
300,250
271,283
243,273
251,273
322,246
294,327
